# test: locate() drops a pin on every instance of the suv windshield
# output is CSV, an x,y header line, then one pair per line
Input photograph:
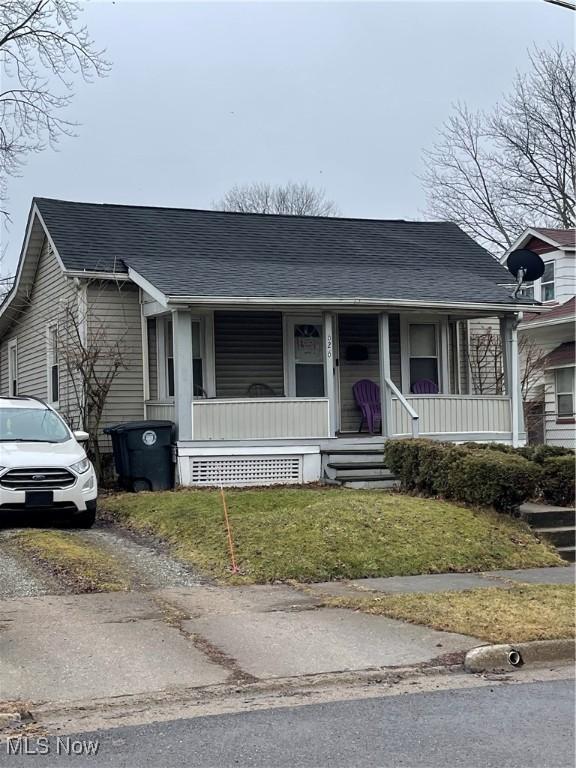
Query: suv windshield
x,y
32,425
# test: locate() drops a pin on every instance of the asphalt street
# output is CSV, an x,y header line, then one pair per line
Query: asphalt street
x,y
504,726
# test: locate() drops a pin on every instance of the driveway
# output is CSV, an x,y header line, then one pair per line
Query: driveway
x,y
172,631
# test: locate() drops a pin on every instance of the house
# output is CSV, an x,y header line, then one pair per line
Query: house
x,y
249,331
554,394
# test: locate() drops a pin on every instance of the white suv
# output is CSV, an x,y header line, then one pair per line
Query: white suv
x,y
43,467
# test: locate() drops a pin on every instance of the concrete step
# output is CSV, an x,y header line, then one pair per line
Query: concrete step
x,y
369,484
560,536
548,517
568,553
366,472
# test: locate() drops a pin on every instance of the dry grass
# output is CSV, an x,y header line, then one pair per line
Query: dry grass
x,y
86,567
320,534
524,612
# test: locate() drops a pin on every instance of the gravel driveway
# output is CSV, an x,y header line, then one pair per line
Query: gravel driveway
x,y
148,567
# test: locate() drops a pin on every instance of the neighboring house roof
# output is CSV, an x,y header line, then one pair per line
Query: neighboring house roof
x,y
543,240
558,312
562,237
196,253
562,355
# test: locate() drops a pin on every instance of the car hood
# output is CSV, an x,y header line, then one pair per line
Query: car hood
x,y
40,454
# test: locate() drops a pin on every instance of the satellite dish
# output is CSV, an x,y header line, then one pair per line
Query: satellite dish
x,y
524,265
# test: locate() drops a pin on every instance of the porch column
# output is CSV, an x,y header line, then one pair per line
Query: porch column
x,y
329,369
183,372
384,358
511,365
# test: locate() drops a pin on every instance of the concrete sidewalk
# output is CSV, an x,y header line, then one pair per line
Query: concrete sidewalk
x,y
444,582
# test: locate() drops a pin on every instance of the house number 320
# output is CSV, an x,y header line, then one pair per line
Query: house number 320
x,y
329,346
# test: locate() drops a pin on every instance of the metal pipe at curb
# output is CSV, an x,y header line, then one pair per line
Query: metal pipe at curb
x,y
493,658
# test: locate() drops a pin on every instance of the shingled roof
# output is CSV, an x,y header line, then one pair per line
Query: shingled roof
x,y
195,253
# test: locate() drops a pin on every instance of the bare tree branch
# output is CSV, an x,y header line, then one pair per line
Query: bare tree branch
x,y
42,48
291,198
495,174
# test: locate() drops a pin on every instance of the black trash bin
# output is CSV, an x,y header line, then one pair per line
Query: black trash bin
x,y
143,454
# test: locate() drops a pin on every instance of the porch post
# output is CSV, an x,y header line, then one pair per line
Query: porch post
x,y
384,358
329,369
511,363
183,372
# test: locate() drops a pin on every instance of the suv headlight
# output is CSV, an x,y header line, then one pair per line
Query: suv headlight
x,y
81,466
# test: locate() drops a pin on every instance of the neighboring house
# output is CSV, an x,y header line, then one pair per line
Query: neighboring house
x,y
554,394
249,331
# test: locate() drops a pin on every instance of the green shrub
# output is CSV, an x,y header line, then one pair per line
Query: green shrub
x,y
541,453
493,479
498,478
557,480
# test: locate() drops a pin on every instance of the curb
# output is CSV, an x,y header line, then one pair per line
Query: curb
x,y
491,658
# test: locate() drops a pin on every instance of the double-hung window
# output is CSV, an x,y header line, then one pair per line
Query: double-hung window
x,y
565,392
13,368
423,351
53,366
543,288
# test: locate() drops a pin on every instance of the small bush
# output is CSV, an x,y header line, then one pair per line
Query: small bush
x,y
541,453
557,480
495,479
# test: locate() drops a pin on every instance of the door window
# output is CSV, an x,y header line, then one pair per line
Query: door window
x,y
308,360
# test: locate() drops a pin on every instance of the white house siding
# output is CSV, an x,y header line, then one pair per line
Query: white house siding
x,y
51,294
248,350
485,384
114,311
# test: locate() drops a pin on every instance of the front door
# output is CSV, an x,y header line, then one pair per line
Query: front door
x,y
305,357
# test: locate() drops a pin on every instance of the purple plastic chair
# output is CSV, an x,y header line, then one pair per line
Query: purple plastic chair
x,y
425,387
367,396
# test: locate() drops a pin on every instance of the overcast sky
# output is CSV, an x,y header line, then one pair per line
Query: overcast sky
x,y
345,96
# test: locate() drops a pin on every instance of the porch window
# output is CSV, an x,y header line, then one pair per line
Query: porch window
x,y
565,392
423,351
308,360
197,359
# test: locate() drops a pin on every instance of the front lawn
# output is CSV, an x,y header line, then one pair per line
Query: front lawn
x,y
319,534
523,612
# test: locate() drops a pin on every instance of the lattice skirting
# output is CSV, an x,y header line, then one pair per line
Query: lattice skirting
x,y
245,470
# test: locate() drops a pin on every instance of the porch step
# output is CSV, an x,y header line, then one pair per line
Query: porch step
x,y
568,553
357,467
556,524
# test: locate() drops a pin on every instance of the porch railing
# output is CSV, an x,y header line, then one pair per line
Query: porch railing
x,y
452,414
160,409
409,413
260,418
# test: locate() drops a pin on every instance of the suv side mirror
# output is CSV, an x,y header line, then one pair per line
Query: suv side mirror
x,y
81,436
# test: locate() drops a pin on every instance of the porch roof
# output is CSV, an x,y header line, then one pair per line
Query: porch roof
x,y
212,254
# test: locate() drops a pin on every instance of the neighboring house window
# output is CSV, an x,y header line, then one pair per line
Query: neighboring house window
x,y
12,368
547,282
565,392
197,364
542,289
423,346
53,366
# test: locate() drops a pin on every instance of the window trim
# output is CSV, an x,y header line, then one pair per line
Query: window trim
x,y
562,393
164,353
52,361
442,347
289,323
13,375
537,286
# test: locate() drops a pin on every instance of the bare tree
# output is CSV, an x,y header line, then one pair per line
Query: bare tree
x,y
485,362
93,358
496,173
42,47
292,198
